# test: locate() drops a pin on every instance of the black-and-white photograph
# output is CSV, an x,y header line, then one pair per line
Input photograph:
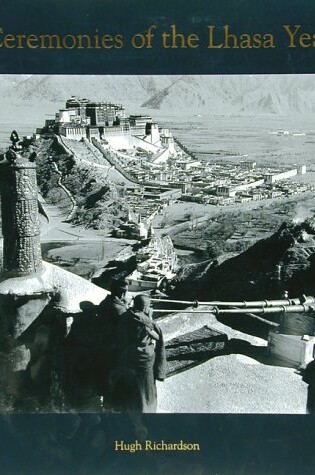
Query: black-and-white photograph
x,y
158,244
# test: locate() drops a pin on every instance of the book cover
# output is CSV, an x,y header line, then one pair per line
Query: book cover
x,y
163,148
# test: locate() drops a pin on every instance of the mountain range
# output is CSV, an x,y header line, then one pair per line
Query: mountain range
x,y
216,95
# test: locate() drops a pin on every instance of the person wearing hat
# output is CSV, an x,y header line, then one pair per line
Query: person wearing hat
x,y
109,312
114,305
140,359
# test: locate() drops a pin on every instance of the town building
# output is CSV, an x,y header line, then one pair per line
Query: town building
x,y
166,169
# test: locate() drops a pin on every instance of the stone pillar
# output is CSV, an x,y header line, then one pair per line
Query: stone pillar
x,y
20,221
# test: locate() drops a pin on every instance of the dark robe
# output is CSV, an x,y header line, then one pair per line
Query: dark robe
x,y
82,358
309,378
110,311
140,360
111,307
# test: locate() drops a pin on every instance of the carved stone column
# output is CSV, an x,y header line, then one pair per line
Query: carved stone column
x,y
20,222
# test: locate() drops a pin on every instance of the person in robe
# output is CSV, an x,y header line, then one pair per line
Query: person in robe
x,y
82,359
139,361
109,312
115,304
309,378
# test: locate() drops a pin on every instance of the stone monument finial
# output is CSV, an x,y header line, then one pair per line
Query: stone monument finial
x,y
19,211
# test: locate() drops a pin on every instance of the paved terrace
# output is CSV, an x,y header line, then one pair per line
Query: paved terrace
x,y
245,381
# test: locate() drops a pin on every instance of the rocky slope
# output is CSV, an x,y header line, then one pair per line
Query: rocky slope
x,y
284,261
97,202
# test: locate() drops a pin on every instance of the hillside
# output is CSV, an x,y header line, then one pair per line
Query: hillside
x,y
66,180
255,273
